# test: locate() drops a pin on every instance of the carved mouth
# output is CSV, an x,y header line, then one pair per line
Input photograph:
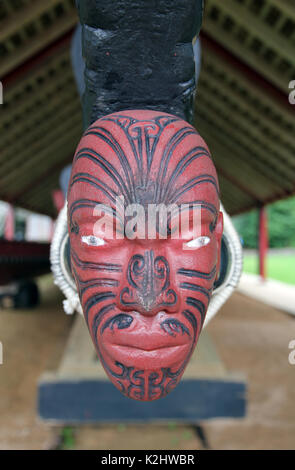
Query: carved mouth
x,y
151,341
151,358
146,342
149,349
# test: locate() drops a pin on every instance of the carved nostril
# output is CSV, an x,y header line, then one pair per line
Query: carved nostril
x,y
148,288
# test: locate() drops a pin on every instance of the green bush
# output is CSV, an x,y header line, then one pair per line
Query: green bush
x,y
281,225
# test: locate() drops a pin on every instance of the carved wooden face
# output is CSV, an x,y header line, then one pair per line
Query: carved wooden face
x,y
144,288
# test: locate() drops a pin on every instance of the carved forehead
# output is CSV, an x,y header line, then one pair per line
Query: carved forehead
x,y
145,156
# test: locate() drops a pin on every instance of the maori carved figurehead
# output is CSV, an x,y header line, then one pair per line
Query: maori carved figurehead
x,y
145,233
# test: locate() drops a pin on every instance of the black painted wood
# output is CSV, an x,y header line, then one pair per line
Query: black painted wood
x,y
88,401
139,55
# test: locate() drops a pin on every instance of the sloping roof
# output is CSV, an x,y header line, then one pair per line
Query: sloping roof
x,y
242,107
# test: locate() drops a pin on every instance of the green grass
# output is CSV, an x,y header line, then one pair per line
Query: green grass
x,y
67,438
279,267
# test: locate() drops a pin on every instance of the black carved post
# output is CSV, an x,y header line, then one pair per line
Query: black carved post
x,y
139,55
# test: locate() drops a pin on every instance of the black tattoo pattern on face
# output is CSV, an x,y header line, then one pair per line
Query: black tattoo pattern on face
x,y
142,300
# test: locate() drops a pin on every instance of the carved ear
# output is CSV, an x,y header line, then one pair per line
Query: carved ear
x,y
218,234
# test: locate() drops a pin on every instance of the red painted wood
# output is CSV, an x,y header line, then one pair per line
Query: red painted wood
x,y
9,224
144,298
263,242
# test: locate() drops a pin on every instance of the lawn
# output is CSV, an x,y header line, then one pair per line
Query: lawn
x,y
279,267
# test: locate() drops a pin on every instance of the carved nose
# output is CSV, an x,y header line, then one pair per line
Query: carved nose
x,y
147,302
147,305
149,290
150,305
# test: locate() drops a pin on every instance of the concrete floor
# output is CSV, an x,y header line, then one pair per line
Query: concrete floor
x,y
251,338
271,292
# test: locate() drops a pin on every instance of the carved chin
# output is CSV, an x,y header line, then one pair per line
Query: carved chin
x,y
144,385
144,369
143,356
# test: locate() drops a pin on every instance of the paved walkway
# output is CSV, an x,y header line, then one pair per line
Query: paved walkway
x,y
271,292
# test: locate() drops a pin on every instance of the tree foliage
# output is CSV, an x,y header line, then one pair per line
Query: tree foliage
x,y
281,225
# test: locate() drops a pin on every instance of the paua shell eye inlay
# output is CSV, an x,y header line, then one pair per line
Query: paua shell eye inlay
x,y
91,240
198,242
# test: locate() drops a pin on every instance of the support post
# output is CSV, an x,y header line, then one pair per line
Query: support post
x,y
9,224
263,242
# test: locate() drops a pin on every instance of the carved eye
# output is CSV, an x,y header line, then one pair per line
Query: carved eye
x,y
198,242
91,240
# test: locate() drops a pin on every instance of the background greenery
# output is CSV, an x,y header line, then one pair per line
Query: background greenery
x,y
281,225
280,264
279,267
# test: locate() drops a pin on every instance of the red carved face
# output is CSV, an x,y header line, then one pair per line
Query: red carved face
x,y
145,289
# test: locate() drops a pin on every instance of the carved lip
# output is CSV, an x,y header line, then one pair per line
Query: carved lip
x,y
149,341
146,335
149,348
166,356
